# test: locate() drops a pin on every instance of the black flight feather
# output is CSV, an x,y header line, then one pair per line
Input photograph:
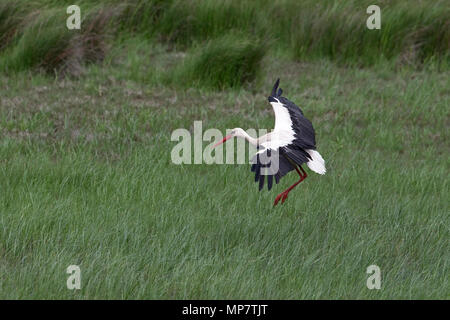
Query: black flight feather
x,y
275,87
269,182
261,182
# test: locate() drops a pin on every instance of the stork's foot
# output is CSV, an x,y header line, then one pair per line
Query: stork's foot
x,y
282,196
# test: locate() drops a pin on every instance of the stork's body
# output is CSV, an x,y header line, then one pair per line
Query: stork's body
x,y
291,143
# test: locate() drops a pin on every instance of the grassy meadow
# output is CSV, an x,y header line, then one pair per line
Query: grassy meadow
x,y
86,176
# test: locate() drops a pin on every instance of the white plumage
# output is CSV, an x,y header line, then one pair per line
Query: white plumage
x,y
283,133
316,164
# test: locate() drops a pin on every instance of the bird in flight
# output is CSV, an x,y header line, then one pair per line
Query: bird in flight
x,y
287,147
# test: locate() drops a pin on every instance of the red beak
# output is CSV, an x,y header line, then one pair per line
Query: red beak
x,y
223,140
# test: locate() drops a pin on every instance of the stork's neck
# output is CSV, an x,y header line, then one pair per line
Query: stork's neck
x,y
251,140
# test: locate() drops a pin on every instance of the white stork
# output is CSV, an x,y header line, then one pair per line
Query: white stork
x,y
292,143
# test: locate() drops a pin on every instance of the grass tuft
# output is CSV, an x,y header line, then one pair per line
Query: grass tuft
x,y
45,43
230,61
186,22
11,13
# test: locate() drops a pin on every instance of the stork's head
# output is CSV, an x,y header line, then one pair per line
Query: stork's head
x,y
236,132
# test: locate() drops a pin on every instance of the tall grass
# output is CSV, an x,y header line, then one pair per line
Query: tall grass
x,y
187,21
44,42
40,44
141,16
11,13
225,62
338,31
415,32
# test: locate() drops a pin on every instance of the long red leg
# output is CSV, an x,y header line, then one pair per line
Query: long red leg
x,y
285,193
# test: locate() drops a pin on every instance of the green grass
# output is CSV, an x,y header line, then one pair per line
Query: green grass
x,y
40,44
33,34
227,62
86,179
86,176
409,31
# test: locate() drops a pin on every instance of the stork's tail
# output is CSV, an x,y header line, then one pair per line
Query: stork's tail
x,y
316,164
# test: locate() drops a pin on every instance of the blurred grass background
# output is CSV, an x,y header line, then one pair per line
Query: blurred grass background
x,y
237,33
86,178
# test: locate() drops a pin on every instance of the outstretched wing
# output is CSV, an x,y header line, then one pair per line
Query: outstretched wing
x,y
304,135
